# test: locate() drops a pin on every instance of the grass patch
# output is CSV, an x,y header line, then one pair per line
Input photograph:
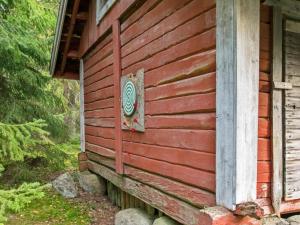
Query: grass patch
x,y
52,210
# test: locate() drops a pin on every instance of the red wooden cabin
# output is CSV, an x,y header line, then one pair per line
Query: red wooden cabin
x,y
212,122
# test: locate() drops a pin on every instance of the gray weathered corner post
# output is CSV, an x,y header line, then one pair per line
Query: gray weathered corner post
x,y
237,101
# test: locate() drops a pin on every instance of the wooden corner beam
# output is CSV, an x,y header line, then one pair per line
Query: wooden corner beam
x,y
117,95
237,101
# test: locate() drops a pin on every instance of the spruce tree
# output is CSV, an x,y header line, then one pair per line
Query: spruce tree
x,y
33,107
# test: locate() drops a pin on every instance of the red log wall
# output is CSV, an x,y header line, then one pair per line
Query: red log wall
x,y
174,41
264,165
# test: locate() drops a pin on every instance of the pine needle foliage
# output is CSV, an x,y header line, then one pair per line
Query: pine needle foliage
x,y
33,106
27,90
22,140
16,199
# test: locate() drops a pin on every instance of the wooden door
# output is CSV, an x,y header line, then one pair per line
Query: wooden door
x,y
291,69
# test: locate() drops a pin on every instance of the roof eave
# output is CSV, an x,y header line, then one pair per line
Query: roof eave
x,y
58,31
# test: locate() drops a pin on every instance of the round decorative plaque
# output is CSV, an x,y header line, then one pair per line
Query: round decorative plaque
x,y
129,98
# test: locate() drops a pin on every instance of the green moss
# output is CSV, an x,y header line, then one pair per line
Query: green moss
x,y
54,210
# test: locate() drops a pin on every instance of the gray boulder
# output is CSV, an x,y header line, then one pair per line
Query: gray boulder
x,y
133,216
294,220
92,183
65,185
164,220
274,221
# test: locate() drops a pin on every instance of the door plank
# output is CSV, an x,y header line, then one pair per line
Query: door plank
x,y
292,115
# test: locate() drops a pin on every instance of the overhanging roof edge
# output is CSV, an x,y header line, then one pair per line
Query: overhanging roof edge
x,y
58,31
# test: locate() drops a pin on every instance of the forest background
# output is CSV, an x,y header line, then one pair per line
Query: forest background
x,y
38,114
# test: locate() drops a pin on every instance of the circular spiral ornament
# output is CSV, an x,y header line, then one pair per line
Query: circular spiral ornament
x,y
129,98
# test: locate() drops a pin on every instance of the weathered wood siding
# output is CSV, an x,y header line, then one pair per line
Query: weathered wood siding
x,y
99,99
174,41
264,125
292,72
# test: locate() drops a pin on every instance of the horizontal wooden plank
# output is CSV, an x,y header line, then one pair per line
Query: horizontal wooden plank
x,y
294,92
264,105
290,206
292,102
264,65
100,55
194,65
292,59
99,84
264,178
180,34
295,80
183,104
187,175
292,70
293,133
101,104
100,150
292,114
264,128
177,209
100,132
292,124
99,94
264,86
265,13
199,140
292,50
265,55
292,167
107,71
282,85
195,11
264,149
293,156
187,193
197,44
104,142
161,11
201,121
265,45
105,40
292,39
190,158
265,30
194,85
101,160
264,167
138,13
102,113
100,122
99,66
292,144
264,76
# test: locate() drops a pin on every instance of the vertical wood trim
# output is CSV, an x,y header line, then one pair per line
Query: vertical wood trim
x,y
277,121
237,101
117,96
82,127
